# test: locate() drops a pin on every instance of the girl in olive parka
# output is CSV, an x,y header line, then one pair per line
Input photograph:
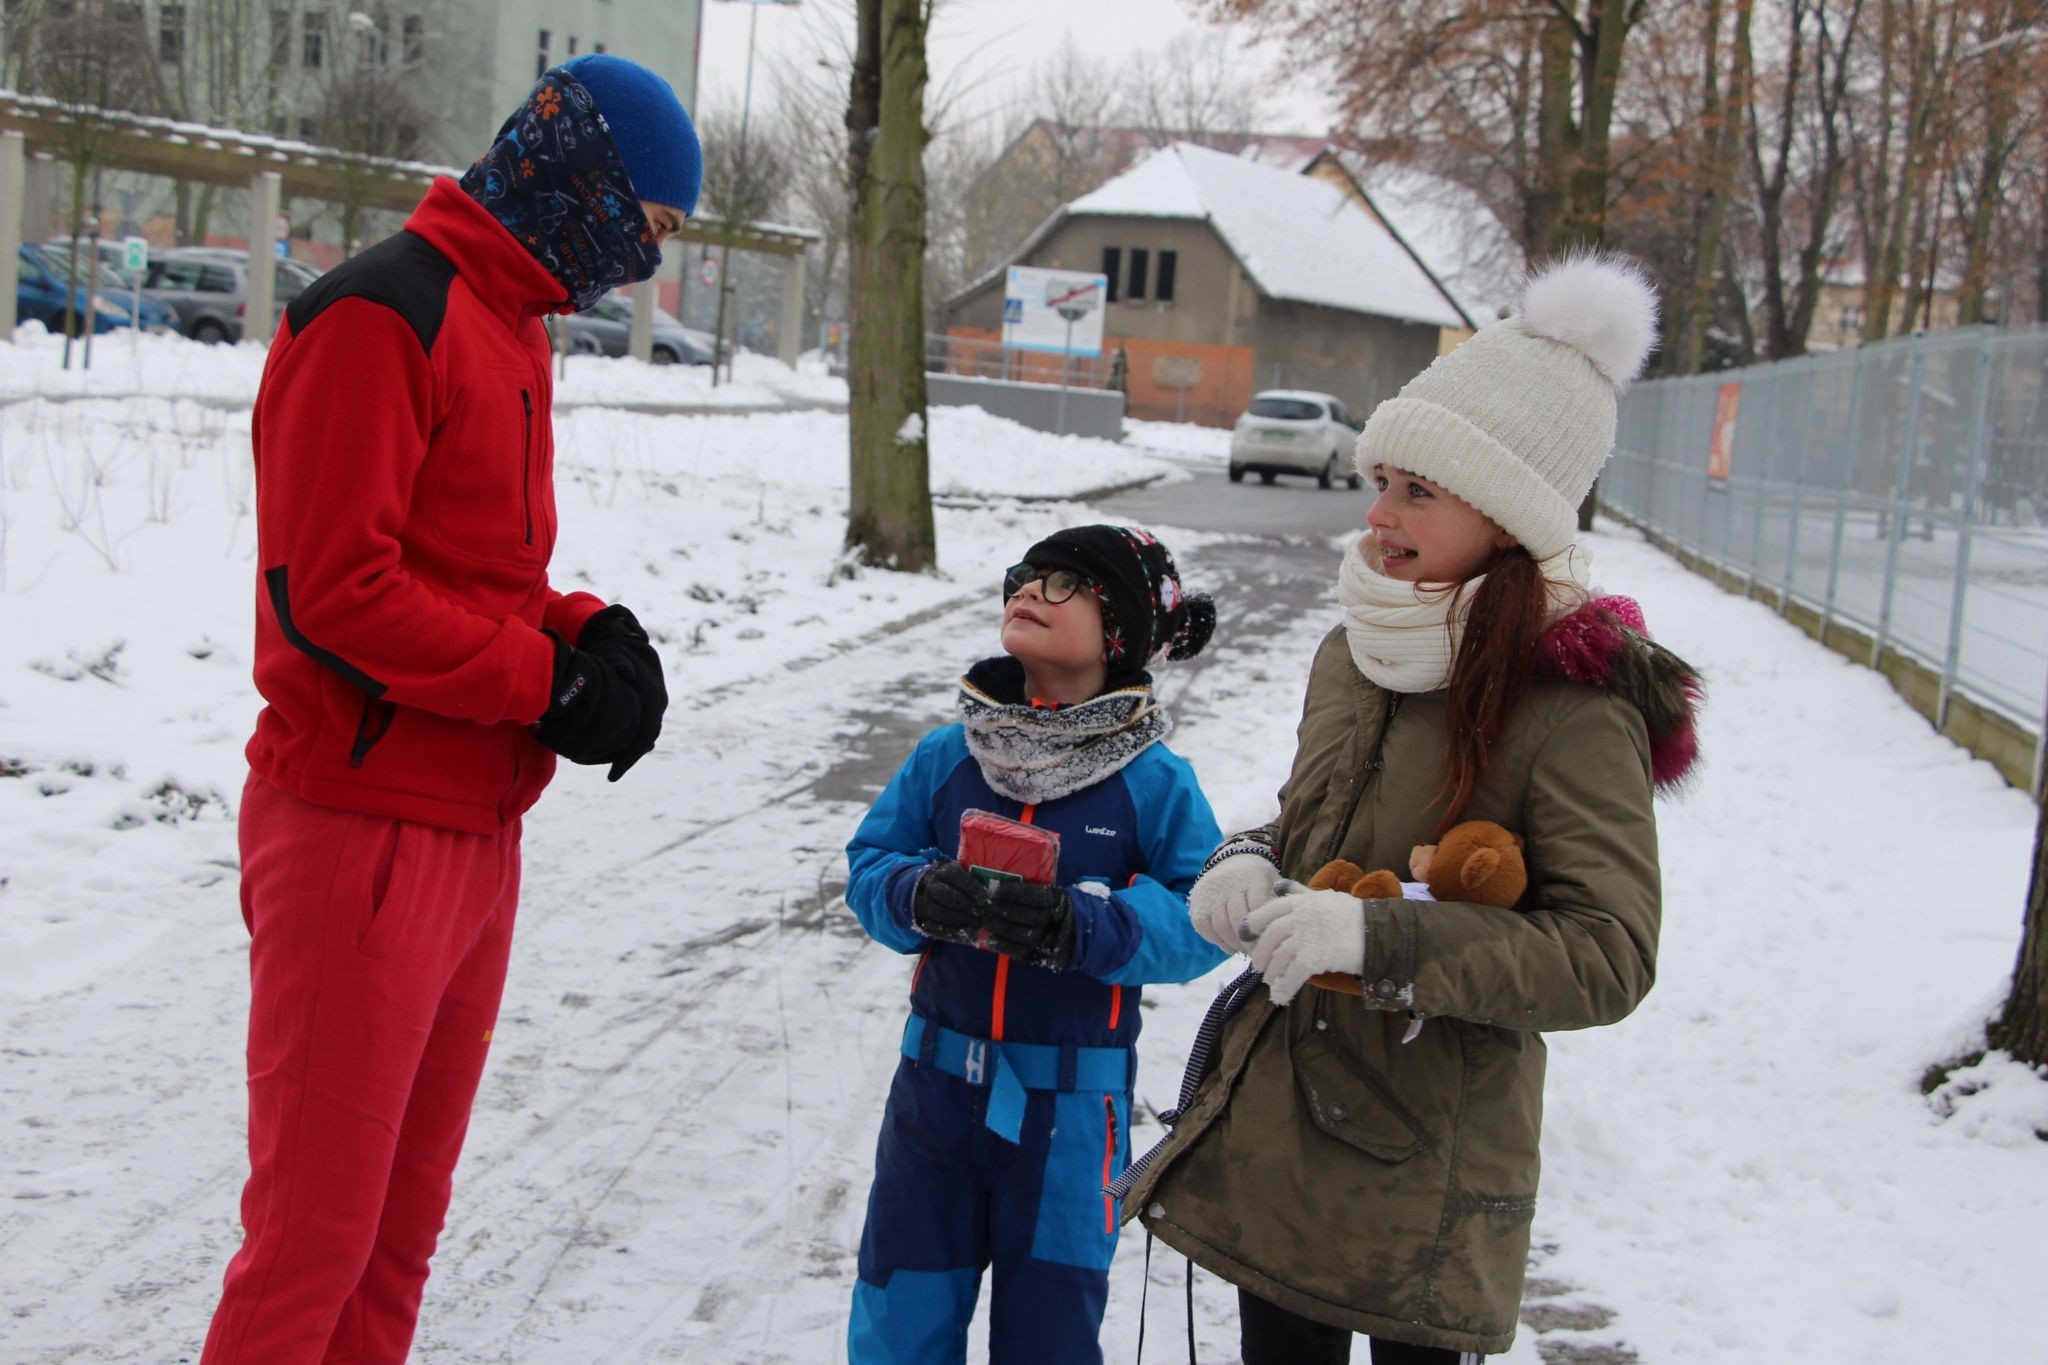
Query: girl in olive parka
x,y
1346,1177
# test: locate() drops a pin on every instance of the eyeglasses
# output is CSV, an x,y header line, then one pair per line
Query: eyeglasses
x,y
1057,585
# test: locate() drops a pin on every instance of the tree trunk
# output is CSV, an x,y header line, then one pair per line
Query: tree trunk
x,y
2041,251
1831,90
1998,144
1723,133
2022,1026
1600,71
890,514
1543,231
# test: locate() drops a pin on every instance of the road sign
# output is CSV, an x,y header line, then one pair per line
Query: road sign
x,y
708,272
1054,310
135,255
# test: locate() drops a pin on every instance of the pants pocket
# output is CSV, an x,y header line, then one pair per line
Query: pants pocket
x,y
384,872
1077,1222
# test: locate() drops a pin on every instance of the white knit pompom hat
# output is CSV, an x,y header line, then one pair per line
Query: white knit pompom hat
x,y
1519,419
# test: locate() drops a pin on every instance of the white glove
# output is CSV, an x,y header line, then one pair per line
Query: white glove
x,y
1299,935
1226,894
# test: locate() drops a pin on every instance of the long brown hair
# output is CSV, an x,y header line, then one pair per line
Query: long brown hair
x,y
1509,611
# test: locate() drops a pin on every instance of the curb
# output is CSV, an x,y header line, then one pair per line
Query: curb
x,y
1108,490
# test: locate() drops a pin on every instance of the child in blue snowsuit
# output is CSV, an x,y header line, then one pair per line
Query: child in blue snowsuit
x,y
1010,1109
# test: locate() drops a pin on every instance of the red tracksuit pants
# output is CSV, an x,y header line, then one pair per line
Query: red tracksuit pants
x,y
376,960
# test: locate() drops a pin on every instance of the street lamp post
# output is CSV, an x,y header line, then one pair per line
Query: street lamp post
x,y
726,286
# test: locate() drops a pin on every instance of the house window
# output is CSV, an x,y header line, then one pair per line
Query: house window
x,y
280,37
313,42
170,34
309,128
572,45
1112,261
1162,288
540,61
1134,283
597,47
415,39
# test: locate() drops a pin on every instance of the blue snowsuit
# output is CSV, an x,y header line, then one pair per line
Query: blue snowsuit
x,y
1011,1107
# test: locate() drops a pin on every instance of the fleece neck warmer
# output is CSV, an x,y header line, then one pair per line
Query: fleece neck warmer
x,y
1034,754
555,180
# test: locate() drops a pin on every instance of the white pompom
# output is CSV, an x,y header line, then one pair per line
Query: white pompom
x,y
1601,305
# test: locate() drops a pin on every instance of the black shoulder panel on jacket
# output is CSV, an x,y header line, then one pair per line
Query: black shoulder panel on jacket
x,y
403,272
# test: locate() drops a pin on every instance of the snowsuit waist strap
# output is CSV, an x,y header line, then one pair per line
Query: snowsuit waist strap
x,y
1037,1066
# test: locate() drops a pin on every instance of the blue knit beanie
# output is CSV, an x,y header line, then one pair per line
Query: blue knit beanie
x,y
655,137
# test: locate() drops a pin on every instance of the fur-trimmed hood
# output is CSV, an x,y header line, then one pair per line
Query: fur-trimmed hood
x,y
1605,644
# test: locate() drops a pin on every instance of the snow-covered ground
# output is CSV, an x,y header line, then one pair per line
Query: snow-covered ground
x,y
128,363
670,1153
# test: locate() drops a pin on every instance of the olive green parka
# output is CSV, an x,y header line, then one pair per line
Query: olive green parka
x,y
1388,1188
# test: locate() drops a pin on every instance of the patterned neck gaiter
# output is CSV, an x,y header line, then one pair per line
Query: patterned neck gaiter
x,y
555,180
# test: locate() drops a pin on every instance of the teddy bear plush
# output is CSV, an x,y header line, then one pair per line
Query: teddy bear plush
x,y
1476,861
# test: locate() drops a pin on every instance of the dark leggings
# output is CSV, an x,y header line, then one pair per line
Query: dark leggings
x,y
1269,1335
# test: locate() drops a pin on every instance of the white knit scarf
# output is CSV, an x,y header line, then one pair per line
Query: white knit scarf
x,y
1404,637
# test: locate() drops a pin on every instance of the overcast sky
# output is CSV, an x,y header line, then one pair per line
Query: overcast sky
x,y
991,45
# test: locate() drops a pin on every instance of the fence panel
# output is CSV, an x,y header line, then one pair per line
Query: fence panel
x,y
1900,488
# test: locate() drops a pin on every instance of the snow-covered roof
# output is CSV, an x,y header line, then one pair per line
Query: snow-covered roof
x,y
1299,238
1464,245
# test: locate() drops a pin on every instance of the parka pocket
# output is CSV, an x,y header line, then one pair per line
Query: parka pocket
x,y
1351,1102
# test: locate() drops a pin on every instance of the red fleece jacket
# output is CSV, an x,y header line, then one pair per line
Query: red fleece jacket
x,y
405,515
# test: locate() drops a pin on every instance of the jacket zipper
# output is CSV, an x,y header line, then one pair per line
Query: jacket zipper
x,y
526,464
366,738
1374,766
1108,1165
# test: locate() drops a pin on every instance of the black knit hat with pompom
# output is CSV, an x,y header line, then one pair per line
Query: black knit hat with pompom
x,y
1145,612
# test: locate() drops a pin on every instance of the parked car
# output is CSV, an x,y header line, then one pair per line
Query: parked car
x,y
1294,431
604,328
40,291
208,286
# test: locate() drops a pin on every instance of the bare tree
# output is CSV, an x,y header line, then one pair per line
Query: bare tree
x,y
811,129
1191,90
370,102
1895,132
82,57
1797,154
1999,104
1721,108
746,180
889,519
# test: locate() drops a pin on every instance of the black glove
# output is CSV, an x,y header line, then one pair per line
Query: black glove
x,y
614,635
593,710
948,903
1025,921
1032,923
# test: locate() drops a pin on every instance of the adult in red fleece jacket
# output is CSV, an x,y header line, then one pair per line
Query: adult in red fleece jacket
x,y
421,677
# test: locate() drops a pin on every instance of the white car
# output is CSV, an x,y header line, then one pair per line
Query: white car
x,y
1294,431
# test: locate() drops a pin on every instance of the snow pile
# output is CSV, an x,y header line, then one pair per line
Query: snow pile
x,y
1181,440
1301,238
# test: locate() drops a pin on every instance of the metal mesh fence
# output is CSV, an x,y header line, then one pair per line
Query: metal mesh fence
x,y
1901,488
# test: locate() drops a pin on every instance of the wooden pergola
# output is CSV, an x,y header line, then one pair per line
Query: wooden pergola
x,y
274,168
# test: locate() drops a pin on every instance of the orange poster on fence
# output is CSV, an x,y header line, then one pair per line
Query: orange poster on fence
x,y
1721,450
